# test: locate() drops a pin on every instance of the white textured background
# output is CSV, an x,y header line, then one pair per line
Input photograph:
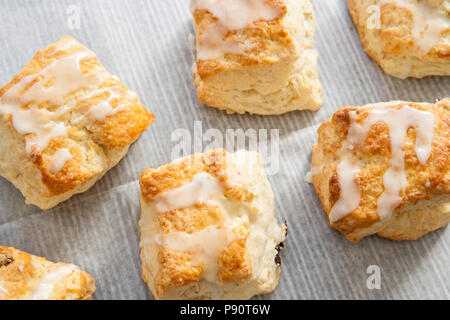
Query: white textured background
x,y
146,43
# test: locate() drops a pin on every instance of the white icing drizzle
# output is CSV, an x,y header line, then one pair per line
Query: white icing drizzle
x,y
394,179
130,95
70,44
26,100
315,170
46,284
231,15
429,23
104,109
204,246
350,192
202,189
308,177
59,158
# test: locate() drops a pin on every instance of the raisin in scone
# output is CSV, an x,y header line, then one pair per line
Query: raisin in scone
x,y
64,122
256,56
385,169
208,229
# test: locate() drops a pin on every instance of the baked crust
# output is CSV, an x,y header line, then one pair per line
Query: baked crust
x,y
266,34
95,145
173,274
277,74
425,205
392,43
27,277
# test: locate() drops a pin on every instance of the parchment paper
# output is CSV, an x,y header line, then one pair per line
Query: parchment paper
x,y
146,43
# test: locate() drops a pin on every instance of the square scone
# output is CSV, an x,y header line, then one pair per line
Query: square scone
x,y
27,277
208,229
385,169
256,56
407,38
64,122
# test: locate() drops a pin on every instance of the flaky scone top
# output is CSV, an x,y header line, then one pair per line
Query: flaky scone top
x,y
406,37
70,115
370,165
236,33
27,277
201,231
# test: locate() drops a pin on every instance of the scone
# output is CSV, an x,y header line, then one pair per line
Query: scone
x,y
27,277
256,56
208,229
64,122
407,38
385,169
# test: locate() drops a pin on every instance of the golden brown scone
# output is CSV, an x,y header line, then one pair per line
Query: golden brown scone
x,y
385,169
27,277
208,229
407,38
256,56
64,122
